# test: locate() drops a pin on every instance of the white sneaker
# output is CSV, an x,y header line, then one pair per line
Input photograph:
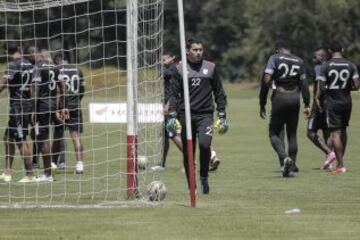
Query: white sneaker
x,y
28,179
5,177
44,178
158,168
79,168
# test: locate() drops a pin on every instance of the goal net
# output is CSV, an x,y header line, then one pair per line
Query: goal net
x,y
117,45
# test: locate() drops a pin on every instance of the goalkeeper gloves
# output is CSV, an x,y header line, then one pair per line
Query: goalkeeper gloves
x,y
221,123
173,125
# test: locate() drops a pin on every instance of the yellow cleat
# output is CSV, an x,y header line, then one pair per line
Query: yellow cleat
x,y
28,179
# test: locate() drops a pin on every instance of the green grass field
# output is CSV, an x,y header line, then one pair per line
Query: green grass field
x,y
248,198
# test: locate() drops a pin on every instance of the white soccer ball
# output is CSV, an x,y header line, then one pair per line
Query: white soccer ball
x,y
142,162
156,191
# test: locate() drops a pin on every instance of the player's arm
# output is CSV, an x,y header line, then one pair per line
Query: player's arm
x,y
355,80
321,86
219,93
221,102
266,81
82,84
9,75
35,91
305,92
264,90
173,125
62,113
175,91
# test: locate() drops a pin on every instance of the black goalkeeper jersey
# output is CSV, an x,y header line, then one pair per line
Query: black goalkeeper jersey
x,y
204,87
338,74
46,79
74,85
18,74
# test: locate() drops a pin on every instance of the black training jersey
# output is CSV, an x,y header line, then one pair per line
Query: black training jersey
x,y
288,71
204,86
338,74
46,79
74,85
18,75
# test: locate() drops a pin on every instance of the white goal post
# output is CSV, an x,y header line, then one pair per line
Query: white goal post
x,y
117,44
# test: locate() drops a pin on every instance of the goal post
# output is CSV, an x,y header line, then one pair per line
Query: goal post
x,y
117,44
132,79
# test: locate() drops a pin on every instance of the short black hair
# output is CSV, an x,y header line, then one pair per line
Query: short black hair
x,y
282,44
59,57
170,53
192,41
335,46
11,47
31,49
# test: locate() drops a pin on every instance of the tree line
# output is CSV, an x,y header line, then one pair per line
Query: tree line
x,y
240,35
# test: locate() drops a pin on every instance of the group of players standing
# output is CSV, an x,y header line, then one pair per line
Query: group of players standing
x,y
44,93
335,78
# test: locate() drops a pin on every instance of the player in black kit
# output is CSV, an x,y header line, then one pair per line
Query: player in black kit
x,y
204,86
74,84
317,118
285,74
337,78
17,79
47,90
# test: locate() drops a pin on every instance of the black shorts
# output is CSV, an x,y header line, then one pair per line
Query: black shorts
x,y
75,122
45,120
337,118
18,125
317,121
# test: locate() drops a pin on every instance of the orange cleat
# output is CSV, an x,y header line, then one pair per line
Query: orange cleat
x,y
339,170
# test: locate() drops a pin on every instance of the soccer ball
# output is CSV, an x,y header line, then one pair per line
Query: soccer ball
x,y
142,162
156,191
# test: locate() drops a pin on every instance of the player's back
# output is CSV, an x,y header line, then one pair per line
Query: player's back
x,y
46,76
74,84
338,74
19,74
288,70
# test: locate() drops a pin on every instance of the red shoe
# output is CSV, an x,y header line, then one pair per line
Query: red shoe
x,y
339,170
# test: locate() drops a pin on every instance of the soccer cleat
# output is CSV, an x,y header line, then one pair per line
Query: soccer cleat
x,y
28,179
6,177
329,159
44,178
158,168
295,168
339,170
288,164
214,162
61,166
205,188
79,168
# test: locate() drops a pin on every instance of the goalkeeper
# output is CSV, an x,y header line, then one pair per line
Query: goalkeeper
x,y
204,86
